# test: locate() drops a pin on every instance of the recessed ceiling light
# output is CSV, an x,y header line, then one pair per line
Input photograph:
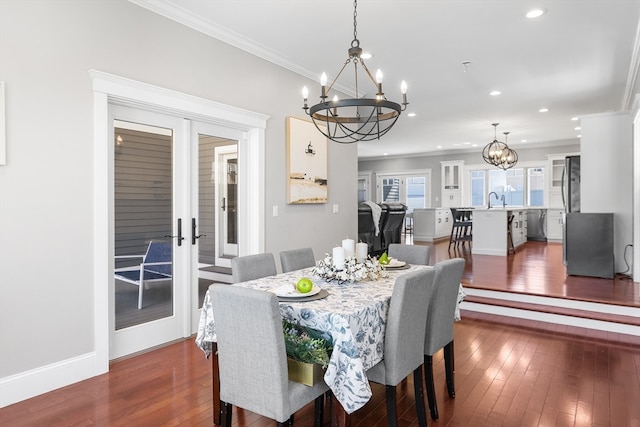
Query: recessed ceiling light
x,y
411,115
474,145
574,118
438,146
523,140
577,128
543,110
466,143
535,13
385,154
579,136
366,55
495,93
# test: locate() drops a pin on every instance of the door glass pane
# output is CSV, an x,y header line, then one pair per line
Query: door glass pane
x,y
209,192
232,201
362,190
143,192
390,190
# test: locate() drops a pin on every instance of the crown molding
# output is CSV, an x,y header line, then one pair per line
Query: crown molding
x,y
175,12
629,96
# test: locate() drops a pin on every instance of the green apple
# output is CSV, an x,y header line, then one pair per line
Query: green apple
x,y
384,259
304,285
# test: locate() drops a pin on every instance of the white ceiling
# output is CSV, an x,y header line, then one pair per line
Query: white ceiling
x,y
580,58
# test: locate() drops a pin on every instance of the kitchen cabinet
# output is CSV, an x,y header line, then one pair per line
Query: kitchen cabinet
x,y
490,230
431,224
519,227
556,167
554,224
451,180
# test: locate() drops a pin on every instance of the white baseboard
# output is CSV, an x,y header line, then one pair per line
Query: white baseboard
x,y
22,386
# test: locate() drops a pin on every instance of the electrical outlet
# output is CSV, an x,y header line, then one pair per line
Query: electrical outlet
x,y
275,210
336,209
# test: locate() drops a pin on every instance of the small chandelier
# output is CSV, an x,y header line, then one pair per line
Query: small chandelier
x,y
492,152
354,119
509,157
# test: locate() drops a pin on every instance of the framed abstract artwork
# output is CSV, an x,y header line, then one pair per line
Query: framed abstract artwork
x,y
306,163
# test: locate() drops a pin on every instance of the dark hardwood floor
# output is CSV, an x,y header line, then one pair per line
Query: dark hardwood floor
x,y
508,372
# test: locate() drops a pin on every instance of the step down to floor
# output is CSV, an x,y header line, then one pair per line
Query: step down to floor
x,y
563,311
572,313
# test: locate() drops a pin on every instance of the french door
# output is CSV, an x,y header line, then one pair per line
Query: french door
x,y
165,189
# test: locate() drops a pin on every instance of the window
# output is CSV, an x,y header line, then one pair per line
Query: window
x,y
477,188
415,192
535,185
509,185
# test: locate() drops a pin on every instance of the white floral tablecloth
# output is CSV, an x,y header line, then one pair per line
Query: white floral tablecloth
x,y
353,315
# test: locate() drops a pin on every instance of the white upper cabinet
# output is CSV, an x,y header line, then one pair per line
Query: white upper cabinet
x,y
451,182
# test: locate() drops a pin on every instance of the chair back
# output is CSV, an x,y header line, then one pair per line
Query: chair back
x,y
406,323
412,254
297,259
251,267
159,252
392,226
442,306
251,350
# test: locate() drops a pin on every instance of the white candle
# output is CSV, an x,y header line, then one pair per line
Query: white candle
x,y
338,257
349,248
362,250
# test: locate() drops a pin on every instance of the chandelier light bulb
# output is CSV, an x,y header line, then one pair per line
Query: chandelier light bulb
x,y
323,79
403,87
305,92
379,76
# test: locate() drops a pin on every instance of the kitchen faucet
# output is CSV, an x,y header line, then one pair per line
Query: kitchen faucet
x,y
489,198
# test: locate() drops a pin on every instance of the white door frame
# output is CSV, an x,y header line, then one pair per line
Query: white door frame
x,y
108,88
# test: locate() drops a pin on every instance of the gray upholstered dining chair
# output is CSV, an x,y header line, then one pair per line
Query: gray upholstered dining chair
x,y
439,331
252,267
412,254
253,359
403,340
296,259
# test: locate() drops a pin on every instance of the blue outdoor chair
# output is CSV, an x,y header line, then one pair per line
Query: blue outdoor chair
x,y
157,265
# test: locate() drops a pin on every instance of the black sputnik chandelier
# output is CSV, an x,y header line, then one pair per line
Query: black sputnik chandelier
x,y
358,118
498,153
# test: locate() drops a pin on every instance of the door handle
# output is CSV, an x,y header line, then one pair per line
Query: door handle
x,y
179,236
224,204
194,236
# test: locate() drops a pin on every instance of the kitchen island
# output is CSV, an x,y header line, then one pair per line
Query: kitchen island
x,y
490,228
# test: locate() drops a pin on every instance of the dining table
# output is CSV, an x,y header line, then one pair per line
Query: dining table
x,y
352,314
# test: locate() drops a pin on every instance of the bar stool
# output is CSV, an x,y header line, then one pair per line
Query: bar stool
x,y
462,227
510,246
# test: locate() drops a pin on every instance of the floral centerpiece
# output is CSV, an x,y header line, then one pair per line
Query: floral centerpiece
x,y
353,270
306,345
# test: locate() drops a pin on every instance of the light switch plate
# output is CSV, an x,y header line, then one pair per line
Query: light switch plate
x,y
336,209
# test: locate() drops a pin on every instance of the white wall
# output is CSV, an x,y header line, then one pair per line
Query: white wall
x,y
606,177
46,205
